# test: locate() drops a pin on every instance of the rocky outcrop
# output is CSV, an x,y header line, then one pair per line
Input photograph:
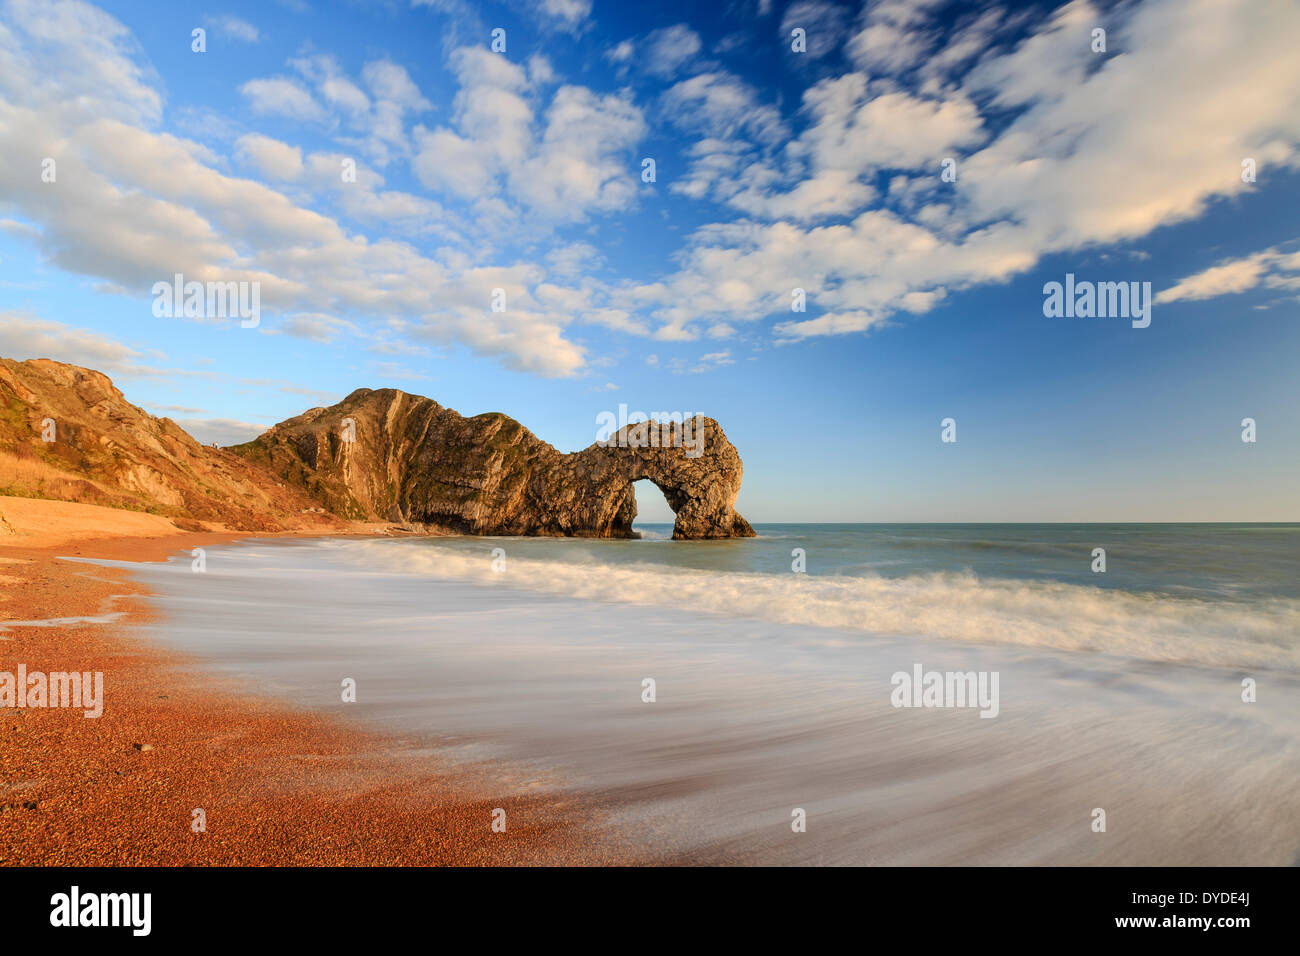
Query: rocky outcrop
x,y
377,456
695,466
105,451
386,455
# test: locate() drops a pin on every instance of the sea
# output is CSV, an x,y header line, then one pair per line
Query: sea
x,y
790,699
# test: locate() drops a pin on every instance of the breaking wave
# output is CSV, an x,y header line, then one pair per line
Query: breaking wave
x,y
946,605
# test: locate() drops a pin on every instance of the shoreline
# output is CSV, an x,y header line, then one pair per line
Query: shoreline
x,y
543,698
278,785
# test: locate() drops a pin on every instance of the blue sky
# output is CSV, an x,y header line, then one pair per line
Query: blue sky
x,y
775,169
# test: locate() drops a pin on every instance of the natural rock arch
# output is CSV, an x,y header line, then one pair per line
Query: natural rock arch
x,y
412,460
696,467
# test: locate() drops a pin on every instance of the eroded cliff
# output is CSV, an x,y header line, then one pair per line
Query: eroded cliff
x,y
378,456
386,455
69,434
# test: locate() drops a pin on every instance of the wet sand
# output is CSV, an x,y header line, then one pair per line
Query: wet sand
x,y
277,785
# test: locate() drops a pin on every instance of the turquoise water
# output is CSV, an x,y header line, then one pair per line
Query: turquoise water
x,y
1210,561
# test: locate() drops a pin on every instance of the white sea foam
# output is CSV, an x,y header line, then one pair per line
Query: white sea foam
x,y
540,688
951,606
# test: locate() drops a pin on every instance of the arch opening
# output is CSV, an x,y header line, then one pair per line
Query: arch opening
x,y
653,512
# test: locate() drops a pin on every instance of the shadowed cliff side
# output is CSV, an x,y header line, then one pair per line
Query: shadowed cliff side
x,y
389,456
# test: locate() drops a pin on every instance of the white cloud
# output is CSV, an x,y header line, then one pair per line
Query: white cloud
x,y
705,363
24,337
235,28
620,320
540,71
133,206
281,96
375,122
570,260
449,163
1057,150
724,106
272,158
315,327
667,50
390,82
894,35
823,24
1271,268
566,13
400,212
342,92
728,163
1110,153
621,52
860,132
1103,149
94,54
579,164
852,134
582,163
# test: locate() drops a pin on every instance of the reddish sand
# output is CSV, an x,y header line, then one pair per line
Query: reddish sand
x,y
277,785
